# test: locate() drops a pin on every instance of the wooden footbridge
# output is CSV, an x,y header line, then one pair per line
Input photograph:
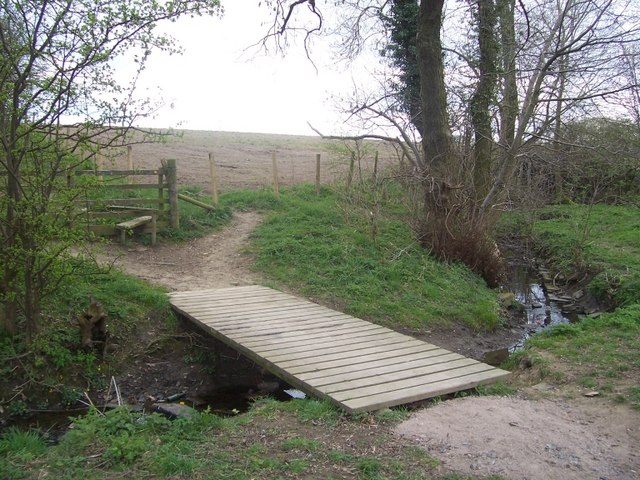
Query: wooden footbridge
x,y
355,364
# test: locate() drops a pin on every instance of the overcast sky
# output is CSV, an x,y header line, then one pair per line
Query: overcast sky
x,y
219,85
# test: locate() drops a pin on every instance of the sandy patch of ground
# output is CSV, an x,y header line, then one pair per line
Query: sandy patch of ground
x,y
520,438
214,261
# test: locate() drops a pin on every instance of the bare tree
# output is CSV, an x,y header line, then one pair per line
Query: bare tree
x,y
549,62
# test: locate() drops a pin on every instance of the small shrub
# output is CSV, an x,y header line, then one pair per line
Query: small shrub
x,y
560,330
17,408
125,448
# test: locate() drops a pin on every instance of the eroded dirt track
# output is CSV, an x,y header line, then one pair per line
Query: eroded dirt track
x,y
214,261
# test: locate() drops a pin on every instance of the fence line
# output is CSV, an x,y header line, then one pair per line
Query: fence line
x,y
123,208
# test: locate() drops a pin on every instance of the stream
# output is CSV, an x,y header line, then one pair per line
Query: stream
x,y
541,308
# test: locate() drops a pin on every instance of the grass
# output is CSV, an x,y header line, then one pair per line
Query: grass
x,y
281,442
600,353
18,448
316,246
604,352
54,369
598,238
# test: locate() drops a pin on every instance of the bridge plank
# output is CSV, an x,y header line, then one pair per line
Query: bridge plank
x,y
355,364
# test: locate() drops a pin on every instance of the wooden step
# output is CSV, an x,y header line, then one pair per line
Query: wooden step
x,y
124,227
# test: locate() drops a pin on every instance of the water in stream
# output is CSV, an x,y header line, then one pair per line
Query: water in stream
x,y
541,310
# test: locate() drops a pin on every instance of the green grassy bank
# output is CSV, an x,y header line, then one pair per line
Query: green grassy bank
x,y
323,246
599,245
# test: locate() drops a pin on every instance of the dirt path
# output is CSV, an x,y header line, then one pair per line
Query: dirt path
x,y
214,261
525,437
520,438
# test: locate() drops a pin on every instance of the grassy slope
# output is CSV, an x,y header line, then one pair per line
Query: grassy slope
x,y
55,369
313,245
599,353
600,238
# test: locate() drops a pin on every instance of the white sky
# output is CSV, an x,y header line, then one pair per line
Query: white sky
x,y
217,85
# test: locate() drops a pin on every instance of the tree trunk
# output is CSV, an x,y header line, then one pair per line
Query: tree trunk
x,y
447,225
10,270
558,187
482,98
509,105
436,142
402,22
509,109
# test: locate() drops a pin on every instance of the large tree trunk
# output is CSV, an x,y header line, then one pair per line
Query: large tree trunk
x,y
436,140
483,97
402,21
448,226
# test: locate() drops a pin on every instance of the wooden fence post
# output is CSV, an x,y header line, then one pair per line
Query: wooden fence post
x,y
375,168
99,165
214,178
317,174
352,163
161,192
172,181
129,163
154,228
276,188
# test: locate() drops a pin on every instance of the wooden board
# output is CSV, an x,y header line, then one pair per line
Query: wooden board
x,y
134,222
355,364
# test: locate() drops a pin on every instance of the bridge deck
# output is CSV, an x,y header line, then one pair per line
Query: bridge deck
x,y
355,364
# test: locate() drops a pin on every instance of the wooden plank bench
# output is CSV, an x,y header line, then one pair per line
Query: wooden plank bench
x,y
137,222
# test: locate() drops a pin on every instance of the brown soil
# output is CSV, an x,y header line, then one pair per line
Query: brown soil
x,y
244,160
523,437
530,438
214,261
